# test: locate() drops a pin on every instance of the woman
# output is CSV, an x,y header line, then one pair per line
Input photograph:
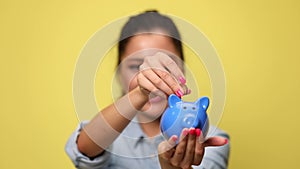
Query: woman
x,y
126,134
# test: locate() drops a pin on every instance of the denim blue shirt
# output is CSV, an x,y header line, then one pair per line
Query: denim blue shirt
x,y
134,150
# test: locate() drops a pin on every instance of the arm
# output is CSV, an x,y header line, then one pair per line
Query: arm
x,y
153,78
110,121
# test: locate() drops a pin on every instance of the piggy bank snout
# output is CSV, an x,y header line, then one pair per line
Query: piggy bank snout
x,y
188,120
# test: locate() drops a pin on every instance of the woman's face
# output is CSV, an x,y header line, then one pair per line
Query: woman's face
x,y
132,59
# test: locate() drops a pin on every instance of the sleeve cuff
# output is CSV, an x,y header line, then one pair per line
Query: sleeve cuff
x,y
80,160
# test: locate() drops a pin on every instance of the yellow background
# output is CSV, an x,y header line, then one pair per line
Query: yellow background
x,y
257,41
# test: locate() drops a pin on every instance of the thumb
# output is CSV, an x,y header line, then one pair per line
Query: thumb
x,y
215,141
166,148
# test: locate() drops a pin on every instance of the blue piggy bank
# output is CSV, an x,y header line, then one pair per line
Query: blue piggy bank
x,y
180,115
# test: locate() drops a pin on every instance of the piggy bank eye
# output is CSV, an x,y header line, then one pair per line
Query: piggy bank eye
x,y
194,108
184,107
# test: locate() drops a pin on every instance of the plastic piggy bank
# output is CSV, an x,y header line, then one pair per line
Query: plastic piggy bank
x,y
180,115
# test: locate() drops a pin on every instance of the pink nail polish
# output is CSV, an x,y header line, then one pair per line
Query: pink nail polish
x,y
174,138
198,132
189,91
182,80
185,132
179,93
192,131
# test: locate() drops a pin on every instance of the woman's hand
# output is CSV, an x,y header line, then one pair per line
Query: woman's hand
x,y
188,152
161,75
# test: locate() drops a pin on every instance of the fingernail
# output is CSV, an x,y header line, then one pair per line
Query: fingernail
x,y
189,91
226,141
192,131
185,132
174,138
198,132
179,93
182,80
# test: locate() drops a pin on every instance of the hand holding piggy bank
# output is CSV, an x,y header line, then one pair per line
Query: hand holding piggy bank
x,y
180,115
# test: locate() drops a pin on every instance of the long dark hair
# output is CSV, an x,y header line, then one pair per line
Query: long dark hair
x,y
147,22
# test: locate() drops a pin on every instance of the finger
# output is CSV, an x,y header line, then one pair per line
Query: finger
x,y
157,81
172,66
147,87
170,81
189,91
145,84
180,148
162,72
166,148
199,150
186,90
215,141
190,149
170,72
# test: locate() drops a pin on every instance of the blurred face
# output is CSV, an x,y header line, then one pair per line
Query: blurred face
x,y
137,48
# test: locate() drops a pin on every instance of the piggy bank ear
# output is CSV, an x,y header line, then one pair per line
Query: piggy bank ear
x,y
203,102
172,100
